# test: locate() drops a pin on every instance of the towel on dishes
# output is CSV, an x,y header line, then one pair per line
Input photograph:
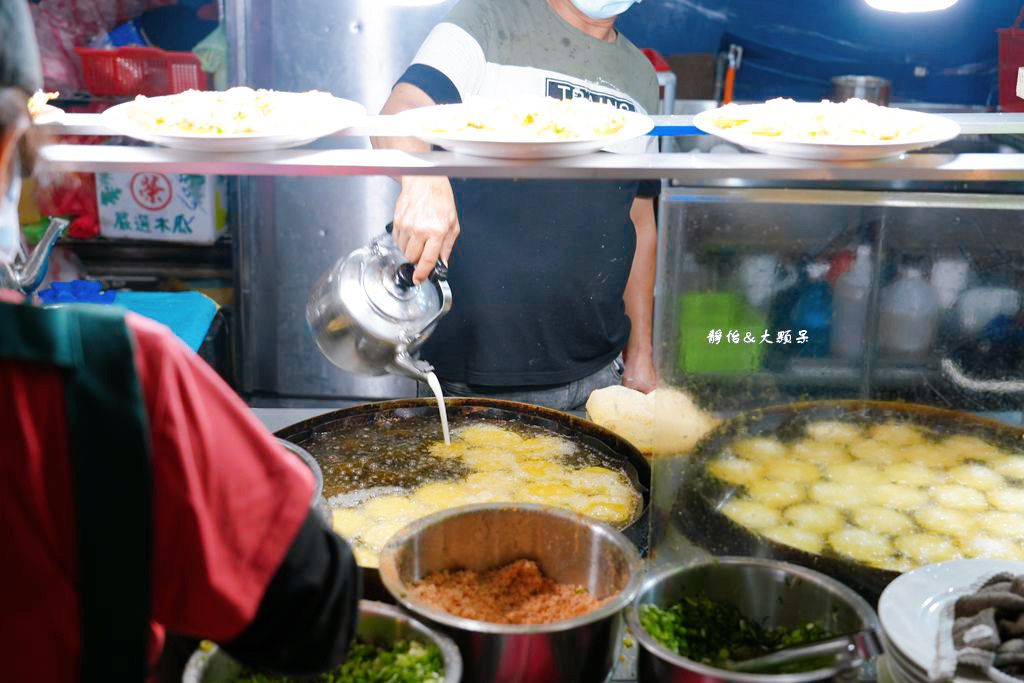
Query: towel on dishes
x,y
984,629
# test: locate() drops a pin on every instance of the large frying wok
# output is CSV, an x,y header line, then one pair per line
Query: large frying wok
x,y
386,417
701,495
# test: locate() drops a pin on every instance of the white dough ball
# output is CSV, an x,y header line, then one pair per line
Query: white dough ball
x,y
854,473
1010,466
801,539
959,497
1007,499
759,448
861,545
819,452
790,470
846,496
1002,524
820,519
926,548
834,431
991,548
750,514
776,494
898,496
736,470
874,451
978,477
913,474
882,520
945,521
897,434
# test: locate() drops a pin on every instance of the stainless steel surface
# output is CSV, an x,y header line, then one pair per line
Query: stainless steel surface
x,y
767,592
870,88
975,123
277,418
886,198
27,275
367,316
378,623
569,548
694,169
293,229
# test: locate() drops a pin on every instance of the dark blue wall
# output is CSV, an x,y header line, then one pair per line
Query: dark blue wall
x,y
793,47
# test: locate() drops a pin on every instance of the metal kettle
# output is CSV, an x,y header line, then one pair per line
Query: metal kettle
x,y
368,317
26,275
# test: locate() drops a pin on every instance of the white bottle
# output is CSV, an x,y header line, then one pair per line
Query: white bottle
x,y
850,306
908,315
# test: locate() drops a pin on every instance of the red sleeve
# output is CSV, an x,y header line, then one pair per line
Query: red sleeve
x,y
227,499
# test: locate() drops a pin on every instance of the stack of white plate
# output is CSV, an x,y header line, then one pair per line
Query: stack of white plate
x,y
910,612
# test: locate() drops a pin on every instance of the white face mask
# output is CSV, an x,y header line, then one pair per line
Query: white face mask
x,y
10,224
603,9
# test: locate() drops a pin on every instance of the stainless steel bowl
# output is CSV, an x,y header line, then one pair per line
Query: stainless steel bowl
x,y
769,592
302,454
378,623
569,548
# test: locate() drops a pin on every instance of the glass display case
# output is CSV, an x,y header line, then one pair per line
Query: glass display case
x,y
823,297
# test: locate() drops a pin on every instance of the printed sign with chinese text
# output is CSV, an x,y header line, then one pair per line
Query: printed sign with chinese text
x,y
172,207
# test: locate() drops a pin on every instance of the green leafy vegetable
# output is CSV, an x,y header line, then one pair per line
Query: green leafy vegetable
x,y
716,633
404,662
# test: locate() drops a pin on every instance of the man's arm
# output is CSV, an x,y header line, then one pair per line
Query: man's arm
x,y
639,298
426,222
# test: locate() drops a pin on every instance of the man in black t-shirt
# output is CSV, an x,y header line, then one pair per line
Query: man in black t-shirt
x,y
551,280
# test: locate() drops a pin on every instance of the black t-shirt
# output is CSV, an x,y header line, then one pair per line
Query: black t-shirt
x,y
537,280
540,267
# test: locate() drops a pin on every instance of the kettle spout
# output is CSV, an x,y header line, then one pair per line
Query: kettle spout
x,y
405,364
30,275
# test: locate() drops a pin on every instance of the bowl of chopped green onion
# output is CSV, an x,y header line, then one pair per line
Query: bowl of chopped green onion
x,y
701,622
390,647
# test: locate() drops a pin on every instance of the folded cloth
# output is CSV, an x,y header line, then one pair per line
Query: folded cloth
x,y
188,314
76,291
982,629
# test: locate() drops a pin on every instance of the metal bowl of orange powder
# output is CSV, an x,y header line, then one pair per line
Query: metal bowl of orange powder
x,y
570,550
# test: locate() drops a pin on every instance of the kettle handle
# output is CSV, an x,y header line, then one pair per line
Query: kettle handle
x,y
446,305
403,277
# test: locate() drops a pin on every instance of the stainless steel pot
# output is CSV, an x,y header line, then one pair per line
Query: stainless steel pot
x,y
871,88
768,592
378,623
568,547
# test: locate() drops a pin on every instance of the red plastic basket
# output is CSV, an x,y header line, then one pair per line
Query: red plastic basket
x,y
1011,59
140,71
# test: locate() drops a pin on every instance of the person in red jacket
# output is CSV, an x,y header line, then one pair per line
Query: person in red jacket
x,y
138,493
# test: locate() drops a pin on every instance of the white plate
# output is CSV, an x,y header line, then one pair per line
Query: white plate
x,y
47,114
937,129
911,606
339,114
488,144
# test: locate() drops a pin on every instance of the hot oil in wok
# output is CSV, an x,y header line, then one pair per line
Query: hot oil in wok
x,y
382,475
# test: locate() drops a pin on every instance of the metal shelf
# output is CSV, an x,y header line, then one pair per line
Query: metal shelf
x,y
691,169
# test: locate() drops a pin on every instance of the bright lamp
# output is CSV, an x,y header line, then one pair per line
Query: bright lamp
x,y
911,5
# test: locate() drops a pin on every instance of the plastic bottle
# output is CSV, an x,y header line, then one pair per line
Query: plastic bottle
x,y
813,312
908,315
850,306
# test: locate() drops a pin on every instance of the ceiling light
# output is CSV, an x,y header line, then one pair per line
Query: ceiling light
x,y
907,6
